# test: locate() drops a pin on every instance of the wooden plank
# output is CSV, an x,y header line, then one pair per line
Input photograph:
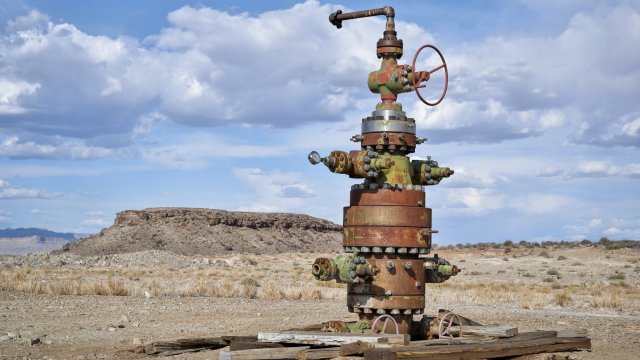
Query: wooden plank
x,y
538,334
336,339
246,345
569,332
258,354
231,338
318,354
454,341
158,347
359,347
492,331
355,348
486,350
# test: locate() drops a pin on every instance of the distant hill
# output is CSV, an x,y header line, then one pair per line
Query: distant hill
x,y
42,233
189,231
33,240
29,244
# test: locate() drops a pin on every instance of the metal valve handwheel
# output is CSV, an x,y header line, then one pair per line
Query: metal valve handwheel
x,y
427,74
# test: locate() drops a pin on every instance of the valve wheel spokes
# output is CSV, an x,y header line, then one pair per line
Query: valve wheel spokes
x,y
384,326
416,84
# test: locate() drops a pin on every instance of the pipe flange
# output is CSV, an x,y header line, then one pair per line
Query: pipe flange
x,y
396,126
386,250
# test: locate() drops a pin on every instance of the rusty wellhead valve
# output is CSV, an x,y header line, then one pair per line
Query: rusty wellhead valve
x,y
387,227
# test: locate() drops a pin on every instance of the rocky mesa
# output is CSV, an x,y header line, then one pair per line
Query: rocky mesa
x,y
189,231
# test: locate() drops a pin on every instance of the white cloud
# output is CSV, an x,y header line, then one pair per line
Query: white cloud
x,y
598,168
550,171
274,190
521,86
539,204
210,68
10,93
96,223
206,68
612,231
473,200
593,168
5,217
197,150
37,212
15,148
595,222
8,191
471,177
96,213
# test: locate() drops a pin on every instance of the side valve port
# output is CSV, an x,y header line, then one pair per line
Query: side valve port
x,y
428,172
337,161
439,270
343,269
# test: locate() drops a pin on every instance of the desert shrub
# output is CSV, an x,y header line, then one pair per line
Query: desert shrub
x,y
544,254
272,291
528,275
563,299
552,272
250,261
616,276
250,292
250,282
562,257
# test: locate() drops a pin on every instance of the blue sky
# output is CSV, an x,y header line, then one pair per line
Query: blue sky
x,y
108,106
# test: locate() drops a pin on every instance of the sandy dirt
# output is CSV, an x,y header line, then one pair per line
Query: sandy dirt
x,y
107,327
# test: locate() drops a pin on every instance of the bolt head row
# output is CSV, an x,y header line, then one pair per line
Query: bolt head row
x,y
387,250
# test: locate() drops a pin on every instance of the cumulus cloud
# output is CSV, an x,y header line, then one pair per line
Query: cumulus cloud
x,y
612,227
54,148
470,177
5,217
288,67
8,191
197,150
522,86
274,190
96,223
472,200
539,203
207,68
593,168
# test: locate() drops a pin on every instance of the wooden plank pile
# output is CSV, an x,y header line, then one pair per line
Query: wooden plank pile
x,y
477,342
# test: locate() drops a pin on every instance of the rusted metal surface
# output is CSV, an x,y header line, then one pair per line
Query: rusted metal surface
x,y
404,322
387,216
387,226
384,236
396,276
387,197
386,303
398,139
424,76
337,17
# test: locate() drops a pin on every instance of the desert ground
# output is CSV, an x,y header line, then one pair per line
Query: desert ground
x,y
102,307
